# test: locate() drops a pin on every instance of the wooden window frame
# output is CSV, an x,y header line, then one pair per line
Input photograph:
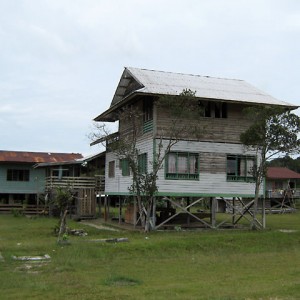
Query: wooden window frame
x,y
233,171
17,175
217,110
111,169
177,175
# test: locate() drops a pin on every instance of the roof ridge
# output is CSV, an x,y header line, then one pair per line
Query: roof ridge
x,y
44,152
186,74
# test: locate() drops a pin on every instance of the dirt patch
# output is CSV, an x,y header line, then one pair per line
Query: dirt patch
x,y
98,226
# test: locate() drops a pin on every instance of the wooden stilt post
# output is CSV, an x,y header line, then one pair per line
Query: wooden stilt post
x,y
134,211
154,213
100,206
120,210
233,211
105,208
188,221
108,207
213,203
263,211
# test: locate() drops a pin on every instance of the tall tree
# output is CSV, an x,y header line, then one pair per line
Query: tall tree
x,y
144,182
274,132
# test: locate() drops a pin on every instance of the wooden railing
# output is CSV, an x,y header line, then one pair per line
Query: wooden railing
x,y
96,182
295,193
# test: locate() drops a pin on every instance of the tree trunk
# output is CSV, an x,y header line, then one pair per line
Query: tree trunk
x,y
149,209
63,225
254,224
141,210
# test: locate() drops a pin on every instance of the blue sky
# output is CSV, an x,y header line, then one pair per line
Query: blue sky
x,y
61,60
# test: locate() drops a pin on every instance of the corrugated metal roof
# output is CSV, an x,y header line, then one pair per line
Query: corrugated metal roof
x,y
71,162
167,83
36,157
281,173
142,81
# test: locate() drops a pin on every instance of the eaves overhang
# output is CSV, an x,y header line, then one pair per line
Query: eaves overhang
x,y
110,115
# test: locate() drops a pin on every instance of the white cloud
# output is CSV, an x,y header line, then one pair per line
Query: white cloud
x,y
60,61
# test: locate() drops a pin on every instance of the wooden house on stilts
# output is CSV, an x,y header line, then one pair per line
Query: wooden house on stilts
x,y
84,177
282,189
202,173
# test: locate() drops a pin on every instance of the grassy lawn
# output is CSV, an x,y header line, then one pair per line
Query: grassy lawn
x,y
222,264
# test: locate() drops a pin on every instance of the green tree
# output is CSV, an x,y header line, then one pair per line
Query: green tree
x,y
144,184
274,132
63,199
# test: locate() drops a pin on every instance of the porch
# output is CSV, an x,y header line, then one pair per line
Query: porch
x,y
97,182
283,200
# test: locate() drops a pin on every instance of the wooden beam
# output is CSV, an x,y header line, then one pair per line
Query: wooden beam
x,y
185,209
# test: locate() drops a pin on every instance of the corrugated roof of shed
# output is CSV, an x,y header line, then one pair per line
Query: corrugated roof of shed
x,y
281,173
70,162
36,157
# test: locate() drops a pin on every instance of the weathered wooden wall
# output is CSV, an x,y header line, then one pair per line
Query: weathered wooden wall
x,y
119,184
208,129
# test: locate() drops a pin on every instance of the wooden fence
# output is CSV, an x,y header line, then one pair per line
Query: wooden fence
x,y
96,182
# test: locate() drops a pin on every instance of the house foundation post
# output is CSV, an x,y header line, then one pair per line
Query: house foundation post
x,y
99,198
105,208
134,211
188,221
233,211
120,209
263,212
213,209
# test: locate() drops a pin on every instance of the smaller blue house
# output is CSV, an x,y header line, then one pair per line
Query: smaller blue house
x,y
20,182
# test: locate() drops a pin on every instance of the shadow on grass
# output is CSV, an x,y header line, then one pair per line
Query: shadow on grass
x,y
121,281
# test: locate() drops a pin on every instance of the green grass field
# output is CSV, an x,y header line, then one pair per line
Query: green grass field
x,y
206,264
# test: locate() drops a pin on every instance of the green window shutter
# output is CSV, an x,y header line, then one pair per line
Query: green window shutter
x,y
142,163
125,167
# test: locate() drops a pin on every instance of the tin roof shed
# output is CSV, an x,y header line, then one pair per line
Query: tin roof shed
x,y
36,157
281,173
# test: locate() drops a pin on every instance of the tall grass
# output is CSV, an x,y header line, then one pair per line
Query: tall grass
x,y
204,264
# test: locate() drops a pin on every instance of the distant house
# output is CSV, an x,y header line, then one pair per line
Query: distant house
x,y
282,182
84,176
20,182
215,165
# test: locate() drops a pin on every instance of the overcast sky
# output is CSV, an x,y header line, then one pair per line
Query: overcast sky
x,y
61,60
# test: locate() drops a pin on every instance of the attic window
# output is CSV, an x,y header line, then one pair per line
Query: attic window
x,y
147,109
147,115
221,110
213,110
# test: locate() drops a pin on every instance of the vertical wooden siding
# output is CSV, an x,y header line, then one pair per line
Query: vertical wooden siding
x,y
36,183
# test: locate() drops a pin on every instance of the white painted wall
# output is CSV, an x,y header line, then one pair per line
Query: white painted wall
x,y
213,184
